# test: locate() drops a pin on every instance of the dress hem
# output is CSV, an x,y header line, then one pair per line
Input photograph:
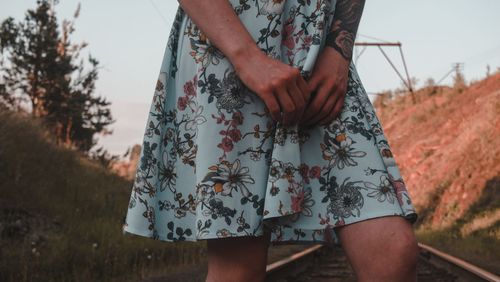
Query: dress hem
x,y
411,217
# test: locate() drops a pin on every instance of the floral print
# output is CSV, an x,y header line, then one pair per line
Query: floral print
x,y
214,164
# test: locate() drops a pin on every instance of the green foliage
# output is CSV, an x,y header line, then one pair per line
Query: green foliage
x,y
488,201
425,213
103,157
61,215
479,248
39,69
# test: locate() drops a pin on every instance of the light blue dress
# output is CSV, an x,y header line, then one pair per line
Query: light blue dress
x,y
214,164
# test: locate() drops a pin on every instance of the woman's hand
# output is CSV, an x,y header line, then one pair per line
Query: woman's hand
x,y
328,82
280,86
331,71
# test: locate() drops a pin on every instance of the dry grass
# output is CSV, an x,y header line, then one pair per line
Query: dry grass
x,y
481,248
61,216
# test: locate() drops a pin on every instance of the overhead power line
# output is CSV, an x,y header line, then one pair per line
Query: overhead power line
x,y
158,11
372,38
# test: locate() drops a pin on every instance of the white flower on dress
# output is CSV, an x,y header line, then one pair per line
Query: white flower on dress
x,y
232,176
340,151
198,119
272,7
383,191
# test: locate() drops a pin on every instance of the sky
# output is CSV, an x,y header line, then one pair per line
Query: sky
x,y
129,38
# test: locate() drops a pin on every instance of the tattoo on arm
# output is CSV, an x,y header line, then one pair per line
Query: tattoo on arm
x,y
345,25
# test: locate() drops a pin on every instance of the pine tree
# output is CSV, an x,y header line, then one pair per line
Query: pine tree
x,y
41,72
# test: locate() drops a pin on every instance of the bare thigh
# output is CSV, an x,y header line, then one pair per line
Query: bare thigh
x,y
380,247
238,258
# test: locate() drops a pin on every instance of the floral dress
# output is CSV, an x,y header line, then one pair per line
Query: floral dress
x,y
214,164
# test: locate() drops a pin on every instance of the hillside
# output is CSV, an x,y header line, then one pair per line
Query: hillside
x,y
61,216
448,147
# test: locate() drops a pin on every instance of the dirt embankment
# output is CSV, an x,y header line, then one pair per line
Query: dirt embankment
x,y
447,146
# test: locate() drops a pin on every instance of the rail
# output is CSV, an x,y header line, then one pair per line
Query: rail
x,y
456,265
442,262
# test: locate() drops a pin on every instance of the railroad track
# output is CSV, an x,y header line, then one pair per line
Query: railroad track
x,y
317,264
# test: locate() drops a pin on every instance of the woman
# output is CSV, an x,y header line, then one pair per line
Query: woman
x,y
260,131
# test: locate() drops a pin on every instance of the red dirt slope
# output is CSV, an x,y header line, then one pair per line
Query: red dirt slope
x,y
447,145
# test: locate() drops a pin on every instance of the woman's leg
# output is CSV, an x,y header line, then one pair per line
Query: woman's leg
x,y
381,249
237,259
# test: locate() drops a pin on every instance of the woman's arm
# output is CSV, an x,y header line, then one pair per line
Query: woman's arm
x,y
280,86
345,26
331,71
218,21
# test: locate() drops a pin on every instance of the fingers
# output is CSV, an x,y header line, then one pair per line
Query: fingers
x,y
335,112
271,102
298,99
304,88
325,110
287,105
313,82
317,104
284,91
291,96
272,105
299,92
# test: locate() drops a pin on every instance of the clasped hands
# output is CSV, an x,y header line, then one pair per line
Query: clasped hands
x,y
291,99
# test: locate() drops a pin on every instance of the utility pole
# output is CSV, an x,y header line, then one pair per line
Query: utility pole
x,y
407,81
456,67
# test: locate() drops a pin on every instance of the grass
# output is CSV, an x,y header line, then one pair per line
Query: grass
x,y
61,216
481,247
425,213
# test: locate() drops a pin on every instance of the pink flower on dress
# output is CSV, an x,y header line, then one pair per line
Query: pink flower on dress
x,y
235,134
339,222
315,172
182,103
304,171
226,144
189,88
399,188
288,30
237,118
297,201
